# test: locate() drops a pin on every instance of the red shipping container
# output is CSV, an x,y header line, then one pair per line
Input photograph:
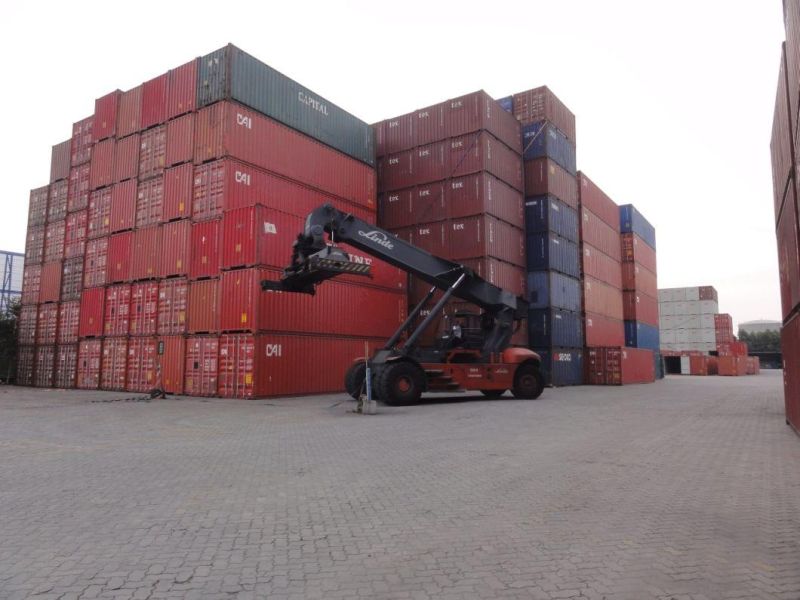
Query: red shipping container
x,y
396,209
50,285
431,237
543,176
119,257
31,284
600,266
751,365
713,365
484,152
429,163
182,89
502,274
180,140
479,111
634,249
619,366
394,135
602,299
205,255
790,350
540,104
37,209
75,234
96,264
732,366
89,356
66,366
172,363
92,311
82,140
144,308
105,116
25,362
600,330
178,192
699,365
707,292
258,236
54,241
117,310
781,139
428,202
47,324
639,279
44,370
26,324
101,172
397,171
154,101
60,160
129,116
57,204
638,366
69,320
483,193
484,235
360,311
153,152
113,363
637,306
789,255
599,235
204,306
173,301
382,273
78,188
146,253
34,245
126,158
202,365
228,129
99,220
176,238
150,202
594,199
142,364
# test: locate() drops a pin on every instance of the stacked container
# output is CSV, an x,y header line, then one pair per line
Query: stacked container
x,y
723,330
686,319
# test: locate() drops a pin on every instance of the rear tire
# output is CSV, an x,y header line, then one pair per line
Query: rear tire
x,y
493,393
354,379
528,382
400,383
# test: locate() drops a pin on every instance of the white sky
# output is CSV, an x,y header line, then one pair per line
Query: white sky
x,y
674,100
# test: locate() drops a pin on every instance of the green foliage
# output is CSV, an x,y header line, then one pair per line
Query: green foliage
x,y
764,341
8,340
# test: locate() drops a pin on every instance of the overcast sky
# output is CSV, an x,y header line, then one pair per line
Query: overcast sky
x,y
674,100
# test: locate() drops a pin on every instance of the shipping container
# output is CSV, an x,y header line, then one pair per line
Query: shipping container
x,y
173,299
205,253
632,221
34,245
82,141
69,320
78,188
543,176
180,140
152,152
172,363
228,129
101,172
553,327
790,350
204,306
119,257
146,253
600,266
117,314
31,284
54,240
601,298
142,370
66,366
431,237
37,209
484,235
597,233
641,335
176,238
541,104
548,289
258,236
154,101
600,330
96,263
507,103
637,306
44,369
57,204
113,363
479,112
178,193
543,139
781,140
231,74
150,202
639,279
598,202
99,219
551,252
50,282
202,365
634,249
60,160
126,158
789,255
92,311
561,366
707,292
75,234
26,324
619,366
89,359
129,114
26,358
144,308
182,89
544,214
105,116
732,366
47,324
483,193
502,274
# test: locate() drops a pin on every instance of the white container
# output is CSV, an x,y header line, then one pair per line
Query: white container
x,y
692,293
685,366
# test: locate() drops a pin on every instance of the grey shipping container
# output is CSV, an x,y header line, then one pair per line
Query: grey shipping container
x,y
231,74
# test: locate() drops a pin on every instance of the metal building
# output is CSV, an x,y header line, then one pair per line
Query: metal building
x,y
11,265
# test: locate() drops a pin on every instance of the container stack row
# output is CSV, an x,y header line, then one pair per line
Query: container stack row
x,y
165,211
687,318
696,363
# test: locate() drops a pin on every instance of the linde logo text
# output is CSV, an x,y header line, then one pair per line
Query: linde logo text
x,y
379,238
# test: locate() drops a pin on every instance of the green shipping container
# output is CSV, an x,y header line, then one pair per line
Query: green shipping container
x,y
231,74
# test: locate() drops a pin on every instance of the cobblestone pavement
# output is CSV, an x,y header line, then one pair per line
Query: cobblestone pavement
x,y
686,489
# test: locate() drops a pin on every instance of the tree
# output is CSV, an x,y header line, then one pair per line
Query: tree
x,y
763,341
9,317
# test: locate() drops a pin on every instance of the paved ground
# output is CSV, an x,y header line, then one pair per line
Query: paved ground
x,y
686,489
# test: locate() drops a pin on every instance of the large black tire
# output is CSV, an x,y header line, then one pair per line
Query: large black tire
x,y
493,393
354,379
400,383
528,382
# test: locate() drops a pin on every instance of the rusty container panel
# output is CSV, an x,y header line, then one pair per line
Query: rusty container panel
x,y
597,201
129,116
150,202
66,368
50,284
154,101
101,172
72,278
82,141
90,353
69,320
31,284
126,158
47,324
634,249
26,358
117,315
202,366
54,240
176,238
484,235
637,306
118,265
34,245
204,306
152,152
205,254
707,292
541,104
142,364
146,253
602,299
481,193
543,176
600,266
44,370
57,204
173,302
600,330
99,219
698,365
26,324
92,311
60,160
113,363
599,235
105,116
172,363
95,266
75,234
208,191
180,140
37,208
637,366
258,236
182,89
178,193
144,308
479,111
78,188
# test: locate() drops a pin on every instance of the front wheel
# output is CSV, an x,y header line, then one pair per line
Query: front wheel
x,y
528,382
400,383
354,379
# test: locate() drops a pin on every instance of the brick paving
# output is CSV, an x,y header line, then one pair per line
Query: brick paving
x,y
688,489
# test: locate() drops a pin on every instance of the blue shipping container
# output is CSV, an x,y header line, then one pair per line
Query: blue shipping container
x,y
554,327
551,252
507,103
632,221
641,335
549,289
544,139
561,366
659,360
547,213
